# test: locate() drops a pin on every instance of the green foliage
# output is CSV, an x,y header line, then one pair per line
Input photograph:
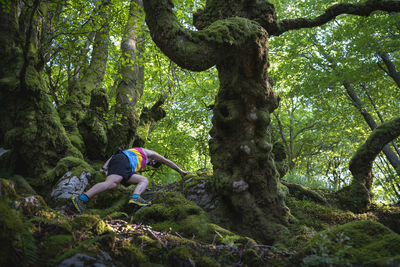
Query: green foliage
x,y
309,67
307,180
228,240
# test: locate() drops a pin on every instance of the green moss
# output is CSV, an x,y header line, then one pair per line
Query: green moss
x,y
319,216
251,258
354,197
180,256
7,188
150,247
23,187
132,256
77,141
85,222
303,193
206,262
102,228
309,217
173,210
11,229
67,164
360,242
33,79
232,31
56,245
388,216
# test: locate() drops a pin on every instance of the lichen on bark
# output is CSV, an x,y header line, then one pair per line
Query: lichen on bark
x,y
231,37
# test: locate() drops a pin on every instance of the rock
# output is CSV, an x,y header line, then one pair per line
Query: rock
x,y
31,204
199,195
2,151
68,187
79,260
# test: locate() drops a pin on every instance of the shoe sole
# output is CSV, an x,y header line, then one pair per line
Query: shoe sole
x,y
76,205
139,204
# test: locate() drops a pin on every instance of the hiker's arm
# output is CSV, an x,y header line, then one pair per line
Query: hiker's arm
x,y
105,166
168,162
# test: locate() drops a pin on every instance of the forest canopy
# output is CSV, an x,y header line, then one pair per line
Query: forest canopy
x,y
318,122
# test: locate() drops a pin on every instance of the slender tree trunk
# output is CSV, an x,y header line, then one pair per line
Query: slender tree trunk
x,y
381,119
130,85
391,68
80,115
390,155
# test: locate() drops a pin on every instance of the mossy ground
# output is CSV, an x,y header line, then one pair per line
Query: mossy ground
x,y
175,231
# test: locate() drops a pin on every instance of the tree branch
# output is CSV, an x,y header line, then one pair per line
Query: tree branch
x,y
359,9
174,40
361,163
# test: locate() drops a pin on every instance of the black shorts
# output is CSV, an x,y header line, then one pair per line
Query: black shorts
x,y
119,164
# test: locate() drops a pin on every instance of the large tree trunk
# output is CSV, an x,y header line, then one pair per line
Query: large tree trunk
x,y
233,36
246,176
29,122
240,147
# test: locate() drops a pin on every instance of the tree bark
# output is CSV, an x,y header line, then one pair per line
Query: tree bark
x,y
391,68
79,115
233,35
390,155
28,119
130,86
360,9
246,176
362,161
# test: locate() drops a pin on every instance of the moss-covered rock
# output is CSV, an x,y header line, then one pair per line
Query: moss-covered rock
x,y
181,256
173,212
355,197
365,243
87,222
131,255
31,205
7,188
303,193
310,217
76,166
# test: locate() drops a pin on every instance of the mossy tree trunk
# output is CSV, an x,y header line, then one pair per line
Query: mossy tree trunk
x,y
246,176
358,195
130,85
29,122
233,35
241,146
81,116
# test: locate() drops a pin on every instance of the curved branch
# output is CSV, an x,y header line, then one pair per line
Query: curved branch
x,y
174,40
361,163
359,9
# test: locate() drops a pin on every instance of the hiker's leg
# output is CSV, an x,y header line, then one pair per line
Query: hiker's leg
x,y
111,182
141,182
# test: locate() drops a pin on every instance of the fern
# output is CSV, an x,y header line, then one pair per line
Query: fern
x,y
31,250
77,249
